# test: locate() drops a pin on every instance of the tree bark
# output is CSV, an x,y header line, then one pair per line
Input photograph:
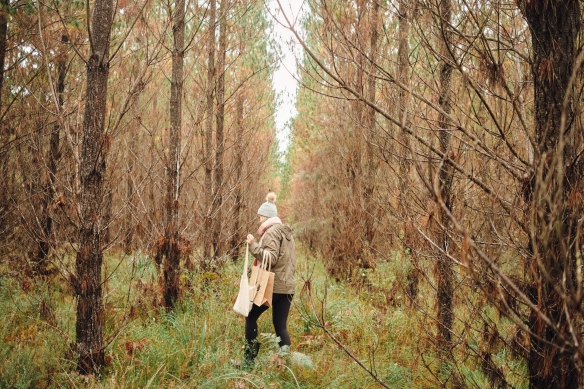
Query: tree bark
x,y
88,279
554,28
53,157
219,147
171,266
208,225
444,272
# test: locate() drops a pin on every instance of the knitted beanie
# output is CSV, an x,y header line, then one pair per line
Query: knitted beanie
x,y
268,209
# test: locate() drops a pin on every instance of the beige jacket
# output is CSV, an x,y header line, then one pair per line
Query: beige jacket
x,y
278,243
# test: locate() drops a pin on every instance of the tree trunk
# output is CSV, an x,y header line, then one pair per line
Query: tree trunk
x,y
238,170
403,66
354,163
403,53
107,217
208,225
87,282
444,272
370,184
53,157
557,181
219,147
172,253
130,187
352,223
4,8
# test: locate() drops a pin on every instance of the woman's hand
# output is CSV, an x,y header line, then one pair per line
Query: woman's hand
x,y
249,239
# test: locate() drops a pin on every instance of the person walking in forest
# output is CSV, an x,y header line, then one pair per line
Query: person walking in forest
x,y
277,242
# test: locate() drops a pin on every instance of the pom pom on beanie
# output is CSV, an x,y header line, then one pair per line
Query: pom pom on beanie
x,y
271,197
268,209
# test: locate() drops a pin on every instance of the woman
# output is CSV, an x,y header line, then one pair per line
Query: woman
x,y
277,242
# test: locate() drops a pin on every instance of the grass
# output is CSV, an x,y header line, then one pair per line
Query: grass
x,y
194,345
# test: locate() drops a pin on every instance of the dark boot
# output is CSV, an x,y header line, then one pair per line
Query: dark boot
x,y
250,353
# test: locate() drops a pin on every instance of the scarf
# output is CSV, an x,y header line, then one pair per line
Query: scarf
x,y
267,224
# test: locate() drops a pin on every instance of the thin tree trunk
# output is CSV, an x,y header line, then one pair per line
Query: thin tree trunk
x,y
53,157
355,168
219,147
403,67
4,8
107,217
171,266
238,171
88,279
208,225
444,272
370,184
554,30
153,209
353,222
130,188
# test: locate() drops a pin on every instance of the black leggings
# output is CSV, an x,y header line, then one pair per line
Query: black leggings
x,y
280,309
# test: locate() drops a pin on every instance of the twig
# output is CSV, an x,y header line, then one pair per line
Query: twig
x,y
321,324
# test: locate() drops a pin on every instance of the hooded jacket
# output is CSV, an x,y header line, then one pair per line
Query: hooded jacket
x,y
278,242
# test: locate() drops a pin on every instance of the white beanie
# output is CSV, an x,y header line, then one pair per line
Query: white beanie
x,y
268,209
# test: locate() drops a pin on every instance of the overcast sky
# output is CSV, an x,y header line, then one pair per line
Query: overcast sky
x,y
284,82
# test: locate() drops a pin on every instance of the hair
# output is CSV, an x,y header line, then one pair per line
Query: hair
x,y
271,197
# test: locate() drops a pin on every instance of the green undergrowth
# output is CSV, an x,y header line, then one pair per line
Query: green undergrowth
x,y
197,343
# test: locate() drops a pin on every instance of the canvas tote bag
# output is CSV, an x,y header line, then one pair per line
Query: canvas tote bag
x,y
246,293
263,279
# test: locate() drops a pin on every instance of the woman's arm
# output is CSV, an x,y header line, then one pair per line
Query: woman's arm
x,y
269,246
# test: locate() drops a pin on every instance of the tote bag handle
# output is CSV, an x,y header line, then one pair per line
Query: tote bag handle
x,y
246,256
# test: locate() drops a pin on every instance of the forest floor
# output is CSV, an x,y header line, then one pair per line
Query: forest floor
x,y
194,346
